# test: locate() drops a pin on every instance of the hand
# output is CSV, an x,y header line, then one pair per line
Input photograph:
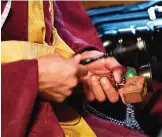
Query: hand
x,y
57,76
96,83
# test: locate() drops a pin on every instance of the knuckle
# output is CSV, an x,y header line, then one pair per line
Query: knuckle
x,y
68,93
83,71
104,79
75,69
71,69
106,88
75,82
60,99
93,78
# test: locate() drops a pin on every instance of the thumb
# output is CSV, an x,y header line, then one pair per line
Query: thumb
x,y
120,91
82,70
77,58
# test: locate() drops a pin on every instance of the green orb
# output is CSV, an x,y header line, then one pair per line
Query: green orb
x,y
130,73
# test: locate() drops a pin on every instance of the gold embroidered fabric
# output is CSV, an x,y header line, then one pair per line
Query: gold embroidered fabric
x,y
37,31
36,25
56,40
77,127
21,50
73,124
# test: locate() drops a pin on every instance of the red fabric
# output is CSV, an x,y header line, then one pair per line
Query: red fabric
x,y
19,91
105,128
16,24
75,27
20,115
44,122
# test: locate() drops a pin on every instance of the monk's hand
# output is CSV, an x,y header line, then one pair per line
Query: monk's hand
x,y
57,76
97,84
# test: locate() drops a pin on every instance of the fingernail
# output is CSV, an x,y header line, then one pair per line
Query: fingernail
x,y
117,77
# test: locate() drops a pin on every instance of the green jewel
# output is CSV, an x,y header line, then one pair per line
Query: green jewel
x,y
130,72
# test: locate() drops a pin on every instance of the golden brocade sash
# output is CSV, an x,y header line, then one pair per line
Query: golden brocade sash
x,y
75,126
21,50
36,26
36,47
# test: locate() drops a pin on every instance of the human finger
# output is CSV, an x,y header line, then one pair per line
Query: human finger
x,y
77,58
113,65
66,93
120,91
82,71
109,90
97,89
88,91
50,95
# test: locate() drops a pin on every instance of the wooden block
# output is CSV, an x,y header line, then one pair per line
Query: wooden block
x,y
134,89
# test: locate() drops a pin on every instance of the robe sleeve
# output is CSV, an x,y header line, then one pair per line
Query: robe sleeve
x,y
23,114
75,27
19,92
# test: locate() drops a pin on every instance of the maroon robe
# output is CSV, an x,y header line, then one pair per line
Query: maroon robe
x,y
23,114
